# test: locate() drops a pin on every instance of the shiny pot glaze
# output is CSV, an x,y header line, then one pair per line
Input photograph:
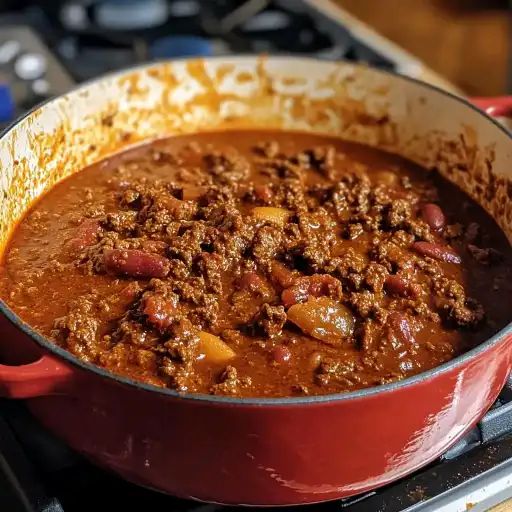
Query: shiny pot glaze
x,y
252,451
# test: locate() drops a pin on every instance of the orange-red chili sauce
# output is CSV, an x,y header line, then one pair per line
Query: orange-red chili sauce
x,y
257,263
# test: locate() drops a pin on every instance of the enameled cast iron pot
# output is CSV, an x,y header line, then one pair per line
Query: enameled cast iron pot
x,y
253,451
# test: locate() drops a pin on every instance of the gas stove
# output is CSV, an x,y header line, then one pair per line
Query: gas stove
x,y
45,49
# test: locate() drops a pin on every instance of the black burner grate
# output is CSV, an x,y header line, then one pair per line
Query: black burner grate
x,y
76,44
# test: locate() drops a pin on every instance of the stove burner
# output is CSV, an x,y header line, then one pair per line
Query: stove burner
x,y
92,37
131,14
268,20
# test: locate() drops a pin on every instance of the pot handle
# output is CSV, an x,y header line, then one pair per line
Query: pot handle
x,y
39,378
498,106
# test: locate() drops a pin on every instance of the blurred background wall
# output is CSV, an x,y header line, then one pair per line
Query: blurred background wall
x,y
467,41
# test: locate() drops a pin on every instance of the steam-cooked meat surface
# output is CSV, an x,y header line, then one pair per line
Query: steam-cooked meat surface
x,y
258,263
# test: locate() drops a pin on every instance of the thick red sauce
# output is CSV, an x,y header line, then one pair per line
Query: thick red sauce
x,y
258,263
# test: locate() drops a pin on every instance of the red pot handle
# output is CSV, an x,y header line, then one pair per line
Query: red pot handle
x,y
43,377
498,106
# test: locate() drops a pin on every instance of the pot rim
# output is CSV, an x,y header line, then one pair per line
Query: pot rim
x,y
419,378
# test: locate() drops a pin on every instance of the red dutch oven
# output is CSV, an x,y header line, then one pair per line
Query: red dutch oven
x,y
254,451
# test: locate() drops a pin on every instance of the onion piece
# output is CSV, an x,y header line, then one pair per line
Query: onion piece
x,y
214,349
272,214
323,319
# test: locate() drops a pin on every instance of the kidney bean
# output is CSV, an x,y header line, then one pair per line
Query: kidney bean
x,y
400,327
294,295
315,286
263,193
159,311
282,276
433,216
281,354
399,285
135,263
86,234
437,251
251,281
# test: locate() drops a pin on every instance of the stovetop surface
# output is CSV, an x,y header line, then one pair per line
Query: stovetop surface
x,y
47,47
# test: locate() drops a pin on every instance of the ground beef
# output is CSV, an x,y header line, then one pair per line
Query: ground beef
x,y
266,245
485,256
228,166
78,329
365,303
260,264
341,372
188,244
270,320
398,214
211,266
183,342
320,158
124,223
375,276
229,383
453,304
268,149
